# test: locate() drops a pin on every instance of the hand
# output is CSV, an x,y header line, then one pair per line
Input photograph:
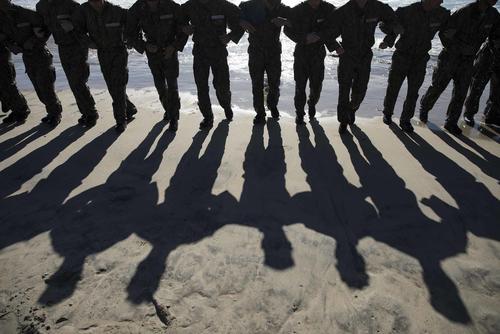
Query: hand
x,y
312,38
188,30
340,50
247,26
66,25
280,22
224,39
383,45
28,45
169,51
151,48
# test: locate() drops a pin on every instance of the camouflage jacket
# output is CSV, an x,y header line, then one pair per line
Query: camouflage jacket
x,y
356,26
105,29
266,35
22,27
161,28
418,28
306,20
467,29
55,11
211,20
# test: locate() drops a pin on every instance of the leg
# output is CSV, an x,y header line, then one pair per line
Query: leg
x,y
159,79
397,75
301,75
273,70
492,110
10,93
77,70
360,83
220,72
481,76
256,67
440,79
201,72
416,76
461,82
345,74
315,84
112,69
173,99
43,75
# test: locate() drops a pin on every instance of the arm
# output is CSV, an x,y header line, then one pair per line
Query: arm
x,y
450,28
133,30
333,31
392,35
293,32
80,22
40,31
233,20
180,37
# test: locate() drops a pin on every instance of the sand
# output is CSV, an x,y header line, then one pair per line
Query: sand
x,y
268,229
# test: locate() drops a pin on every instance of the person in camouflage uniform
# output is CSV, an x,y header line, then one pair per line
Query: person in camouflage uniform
x,y
355,23
10,96
25,33
308,31
420,22
486,69
57,17
207,21
263,19
100,24
467,29
154,26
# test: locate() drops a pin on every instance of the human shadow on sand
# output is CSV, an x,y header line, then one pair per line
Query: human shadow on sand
x,y
127,204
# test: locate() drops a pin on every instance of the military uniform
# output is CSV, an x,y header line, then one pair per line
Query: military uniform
x,y
466,30
309,59
25,33
161,28
105,31
356,26
264,52
73,55
486,69
210,20
411,56
10,96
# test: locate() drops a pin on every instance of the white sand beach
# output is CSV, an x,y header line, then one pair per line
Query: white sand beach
x,y
268,229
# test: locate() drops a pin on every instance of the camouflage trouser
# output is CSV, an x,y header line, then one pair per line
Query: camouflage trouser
x,y
308,67
42,74
76,67
165,73
353,75
449,67
115,72
10,96
410,68
217,62
260,62
482,73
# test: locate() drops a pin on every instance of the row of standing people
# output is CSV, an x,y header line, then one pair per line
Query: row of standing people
x,y
160,28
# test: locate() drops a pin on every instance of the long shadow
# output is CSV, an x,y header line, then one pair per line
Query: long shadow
x,y
490,165
13,145
99,218
402,225
333,207
190,211
265,202
21,221
478,208
31,164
